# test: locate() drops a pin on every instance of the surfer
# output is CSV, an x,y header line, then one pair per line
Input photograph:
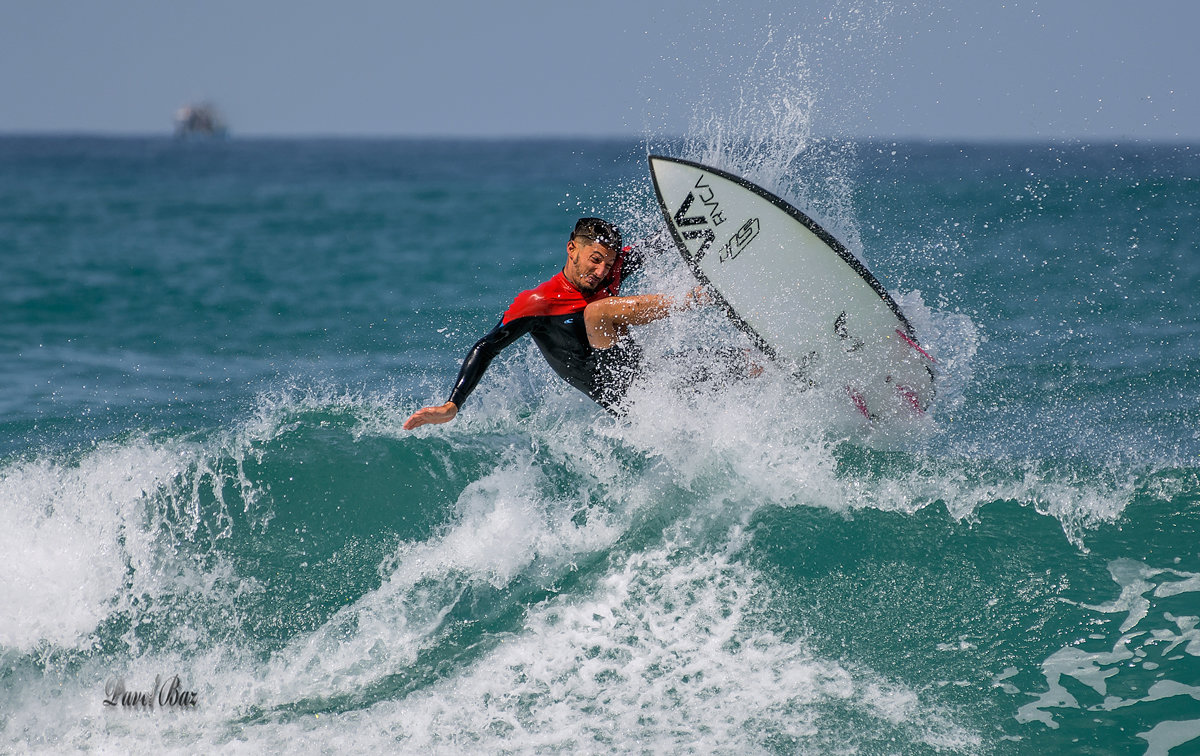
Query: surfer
x,y
577,319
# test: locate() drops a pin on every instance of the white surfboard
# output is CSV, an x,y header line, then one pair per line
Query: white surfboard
x,y
803,298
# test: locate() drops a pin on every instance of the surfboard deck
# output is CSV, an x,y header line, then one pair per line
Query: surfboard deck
x,y
803,298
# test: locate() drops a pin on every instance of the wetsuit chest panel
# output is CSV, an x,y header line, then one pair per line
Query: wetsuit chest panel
x,y
556,297
563,341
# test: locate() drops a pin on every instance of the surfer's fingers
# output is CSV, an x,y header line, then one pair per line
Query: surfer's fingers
x,y
427,415
416,419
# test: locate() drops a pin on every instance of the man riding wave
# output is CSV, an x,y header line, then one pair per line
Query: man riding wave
x,y
577,319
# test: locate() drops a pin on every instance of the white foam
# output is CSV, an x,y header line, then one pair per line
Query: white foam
x,y
1139,584
674,645
505,527
670,651
1133,577
1163,737
72,533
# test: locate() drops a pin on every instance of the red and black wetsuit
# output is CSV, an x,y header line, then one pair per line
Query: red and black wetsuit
x,y
553,314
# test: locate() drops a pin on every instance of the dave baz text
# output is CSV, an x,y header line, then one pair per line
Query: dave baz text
x,y
166,694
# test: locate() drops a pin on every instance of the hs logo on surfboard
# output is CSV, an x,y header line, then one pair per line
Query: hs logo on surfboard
x,y
739,240
702,224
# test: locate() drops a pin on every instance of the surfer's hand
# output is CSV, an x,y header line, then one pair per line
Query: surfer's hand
x,y
697,296
432,415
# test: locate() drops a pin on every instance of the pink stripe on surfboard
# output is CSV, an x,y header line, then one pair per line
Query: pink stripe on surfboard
x,y
859,402
915,345
911,397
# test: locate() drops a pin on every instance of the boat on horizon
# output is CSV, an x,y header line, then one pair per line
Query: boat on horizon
x,y
200,120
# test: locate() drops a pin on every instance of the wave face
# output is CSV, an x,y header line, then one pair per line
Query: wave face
x,y
205,487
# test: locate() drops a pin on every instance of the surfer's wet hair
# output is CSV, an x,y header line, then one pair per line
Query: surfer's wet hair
x,y
597,230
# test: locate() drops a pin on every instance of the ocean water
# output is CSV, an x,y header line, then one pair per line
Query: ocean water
x,y
206,492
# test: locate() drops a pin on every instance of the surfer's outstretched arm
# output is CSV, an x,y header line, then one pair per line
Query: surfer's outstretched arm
x,y
608,319
473,366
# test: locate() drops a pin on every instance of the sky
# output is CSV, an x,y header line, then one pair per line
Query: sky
x,y
1033,69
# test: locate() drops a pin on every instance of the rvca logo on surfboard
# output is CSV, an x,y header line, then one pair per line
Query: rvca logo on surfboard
x,y
710,216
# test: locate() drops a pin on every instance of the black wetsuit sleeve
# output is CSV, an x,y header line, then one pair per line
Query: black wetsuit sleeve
x,y
482,354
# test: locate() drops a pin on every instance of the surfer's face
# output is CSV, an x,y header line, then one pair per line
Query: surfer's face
x,y
588,264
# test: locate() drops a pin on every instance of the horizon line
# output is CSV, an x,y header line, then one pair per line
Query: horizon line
x,y
563,137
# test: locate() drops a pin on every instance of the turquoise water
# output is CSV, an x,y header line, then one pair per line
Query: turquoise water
x,y
211,350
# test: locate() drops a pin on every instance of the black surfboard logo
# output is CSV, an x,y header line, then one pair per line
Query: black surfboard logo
x,y
839,327
740,240
682,219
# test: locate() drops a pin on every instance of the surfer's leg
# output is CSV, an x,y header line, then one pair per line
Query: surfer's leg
x,y
614,371
607,319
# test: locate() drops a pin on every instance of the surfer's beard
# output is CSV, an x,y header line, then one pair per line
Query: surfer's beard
x,y
580,282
